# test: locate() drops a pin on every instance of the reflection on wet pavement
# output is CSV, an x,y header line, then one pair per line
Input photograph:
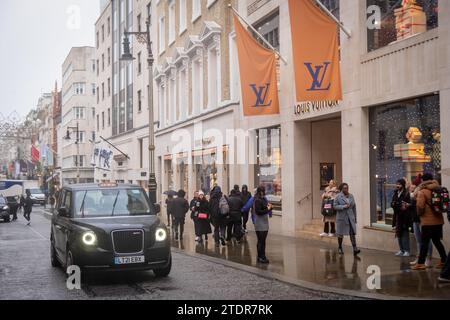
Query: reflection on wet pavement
x,y
321,264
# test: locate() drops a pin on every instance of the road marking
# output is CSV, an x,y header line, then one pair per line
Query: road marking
x,y
21,241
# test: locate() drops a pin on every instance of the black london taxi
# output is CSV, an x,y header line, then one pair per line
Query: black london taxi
x,y
108,227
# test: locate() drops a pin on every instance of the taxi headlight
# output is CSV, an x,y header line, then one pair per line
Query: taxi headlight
x,y
89,238
161,234
5,208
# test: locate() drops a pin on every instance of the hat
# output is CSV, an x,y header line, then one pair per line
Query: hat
x,y
201,193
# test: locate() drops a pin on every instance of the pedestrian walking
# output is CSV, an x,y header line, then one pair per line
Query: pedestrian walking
x,y
245,196
169,209
219,215
417,227
328,212
27,207
179,208
345,207
432,220
192,206
261,211
235,224
401,222
201,216
15,207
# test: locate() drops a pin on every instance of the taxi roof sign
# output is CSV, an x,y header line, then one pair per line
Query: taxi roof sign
x,y
107,184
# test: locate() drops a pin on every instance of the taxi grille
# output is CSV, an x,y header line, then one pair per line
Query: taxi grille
x,y
128,241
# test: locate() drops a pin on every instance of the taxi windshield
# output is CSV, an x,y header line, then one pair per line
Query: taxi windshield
x,y
111,202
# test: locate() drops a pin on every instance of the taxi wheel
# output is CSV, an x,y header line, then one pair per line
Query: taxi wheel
x,y
161,273
69,259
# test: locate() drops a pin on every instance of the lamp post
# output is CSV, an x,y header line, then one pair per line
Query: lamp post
x,y
77,142
145,38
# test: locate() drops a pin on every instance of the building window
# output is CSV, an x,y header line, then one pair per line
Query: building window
x,y
269,28
162,101
94,89
139,18
109,26
98,122
79,113
196,9
109,117
103,120
98,67
182,103
109,86
197,87
139,100
269,164
139,63
234,70
162,35
103,33
214,78
172,100
97,39
183,16
171,22
98,95
103,91
405,142
141,153
103,62
109,56
79,88
400,20
205,172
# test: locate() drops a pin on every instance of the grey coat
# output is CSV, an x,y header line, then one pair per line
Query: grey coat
x,y
345,217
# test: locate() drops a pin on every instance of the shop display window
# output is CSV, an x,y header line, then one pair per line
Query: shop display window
x,y
400,19
405,142
269,163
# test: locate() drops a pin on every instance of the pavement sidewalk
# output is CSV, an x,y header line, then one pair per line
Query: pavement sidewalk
x,y
318,266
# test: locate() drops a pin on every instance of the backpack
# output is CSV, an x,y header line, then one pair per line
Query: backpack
x,y
440,200
224,207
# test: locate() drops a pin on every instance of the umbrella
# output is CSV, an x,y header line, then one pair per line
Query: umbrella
x,y
171,193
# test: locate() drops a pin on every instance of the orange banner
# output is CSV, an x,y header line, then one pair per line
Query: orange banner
x,y
258,74
316,53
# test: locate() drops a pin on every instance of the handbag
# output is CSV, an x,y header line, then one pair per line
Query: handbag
x,y
328,208
202,216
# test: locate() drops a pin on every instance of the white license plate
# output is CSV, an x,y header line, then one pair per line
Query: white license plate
x,y
129,260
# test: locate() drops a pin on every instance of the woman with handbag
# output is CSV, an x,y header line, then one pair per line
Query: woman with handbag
x,y
201,216
329,215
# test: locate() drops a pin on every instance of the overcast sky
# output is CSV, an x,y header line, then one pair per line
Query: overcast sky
x,y
35,38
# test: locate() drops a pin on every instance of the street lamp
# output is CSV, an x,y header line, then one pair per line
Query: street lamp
x,y
144,38
77,142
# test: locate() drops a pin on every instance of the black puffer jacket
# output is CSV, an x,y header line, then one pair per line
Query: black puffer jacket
x,y
180,207
216,217
236,204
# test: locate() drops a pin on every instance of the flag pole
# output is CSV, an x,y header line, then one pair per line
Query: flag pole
x,y
258,34
332,16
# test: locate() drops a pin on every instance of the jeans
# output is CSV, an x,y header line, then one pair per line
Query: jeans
x,y
261,246
418,236
178,224
245,217
446,270
403,241
26,215
219,232
432,233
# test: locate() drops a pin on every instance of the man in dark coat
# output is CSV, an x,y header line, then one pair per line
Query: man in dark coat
x,y
245,196
27,207
235,224
180,207
218,220
402,222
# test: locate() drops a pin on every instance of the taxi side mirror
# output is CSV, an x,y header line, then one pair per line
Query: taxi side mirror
x,y
157,208
63,212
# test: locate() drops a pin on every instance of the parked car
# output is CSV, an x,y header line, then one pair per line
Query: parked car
x,y
4,210
37,196
109,227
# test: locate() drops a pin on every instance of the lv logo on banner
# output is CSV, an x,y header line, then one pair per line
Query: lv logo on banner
x,y
317,84
261,95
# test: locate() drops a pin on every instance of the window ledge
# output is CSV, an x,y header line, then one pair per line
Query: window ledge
x,y
182,31
378,227
196,18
